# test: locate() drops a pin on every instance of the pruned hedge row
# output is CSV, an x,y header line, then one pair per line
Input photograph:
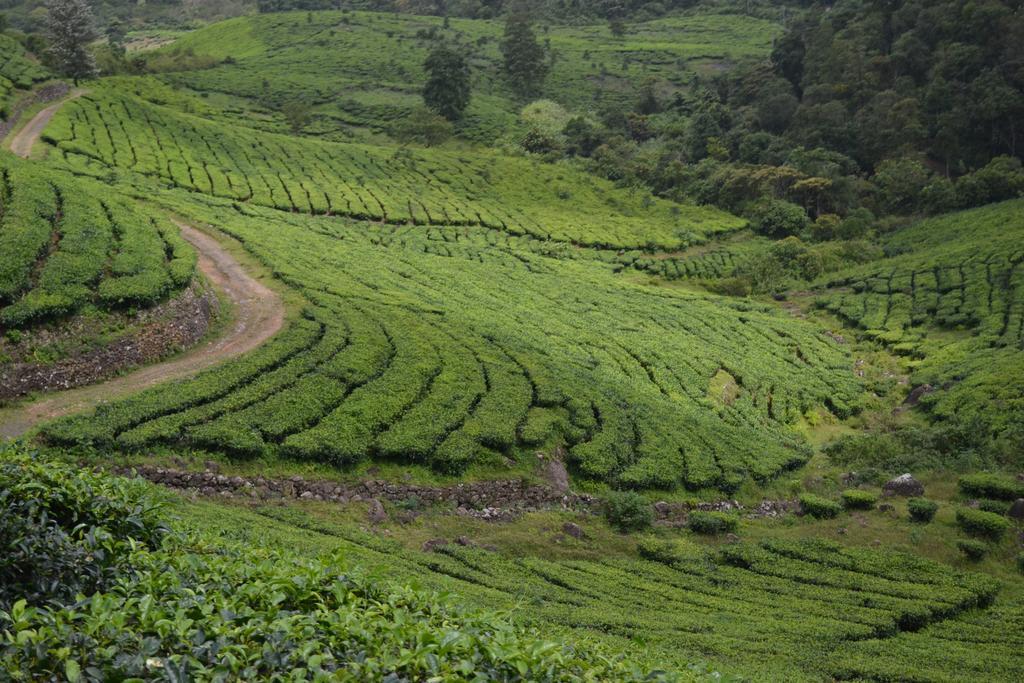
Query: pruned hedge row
x,y
64,243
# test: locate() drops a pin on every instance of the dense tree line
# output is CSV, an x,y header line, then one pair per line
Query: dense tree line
x,y
867,109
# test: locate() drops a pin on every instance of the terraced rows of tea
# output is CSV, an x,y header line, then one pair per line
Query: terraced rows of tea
x,y
280,57
17,72
962,270
952,296
778,610
386,184
452,358
67,243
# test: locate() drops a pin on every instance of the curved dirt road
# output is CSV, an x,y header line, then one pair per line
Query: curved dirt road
x,y
258,314
23,141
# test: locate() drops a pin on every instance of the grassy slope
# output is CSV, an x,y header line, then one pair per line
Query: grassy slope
x,y
284,56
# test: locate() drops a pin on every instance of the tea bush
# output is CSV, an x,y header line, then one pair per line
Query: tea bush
x,y
981,523
816,506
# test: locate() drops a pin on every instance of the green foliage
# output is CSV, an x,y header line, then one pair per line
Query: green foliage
x,y
323,619
946,274
447,90
856,499
711,523
525,61
778,218
627,511
65,243
67,531
922,510
298,114
17,72
70,28
423,127
980,523
819,507
973,550
995,486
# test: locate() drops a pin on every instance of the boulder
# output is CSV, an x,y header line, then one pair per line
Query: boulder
x,y
433,544
662,509
376,513
1017,509
903,485
574,530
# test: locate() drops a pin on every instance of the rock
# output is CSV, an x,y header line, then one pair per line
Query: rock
x,y
376,513
464,541
557,475
885,507
903,485
573,530
1017,509
433,544
917,394
212,466
662,508
732,538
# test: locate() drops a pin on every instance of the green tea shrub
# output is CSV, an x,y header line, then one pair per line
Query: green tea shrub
x,y
855,499
628,511
994,486
973,550
922,510
980,523
67,531
998,507
711,523
819,507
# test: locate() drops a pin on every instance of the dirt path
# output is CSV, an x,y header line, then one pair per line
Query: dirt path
x,y
258,315
23,141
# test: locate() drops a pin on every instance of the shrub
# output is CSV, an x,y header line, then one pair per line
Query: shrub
x,y
974,550
999,507
628,511
1020,563
778,218
819,507
922,510
669,551
711,523
980,523
66,531
993,486
859,500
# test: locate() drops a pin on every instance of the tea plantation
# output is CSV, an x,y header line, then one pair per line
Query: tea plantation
x,y
67,243
609,374
418,347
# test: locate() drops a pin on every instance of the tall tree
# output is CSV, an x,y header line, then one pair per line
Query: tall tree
x,y
447,90
525,61
70,28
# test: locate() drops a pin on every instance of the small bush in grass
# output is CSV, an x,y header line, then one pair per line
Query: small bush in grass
x,y
711,523
922,510
991,486
980,523
998,507
669,551
628,511
859,500
1020,563
973,550
819,507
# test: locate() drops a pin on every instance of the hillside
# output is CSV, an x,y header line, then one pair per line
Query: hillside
x,y
516,343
